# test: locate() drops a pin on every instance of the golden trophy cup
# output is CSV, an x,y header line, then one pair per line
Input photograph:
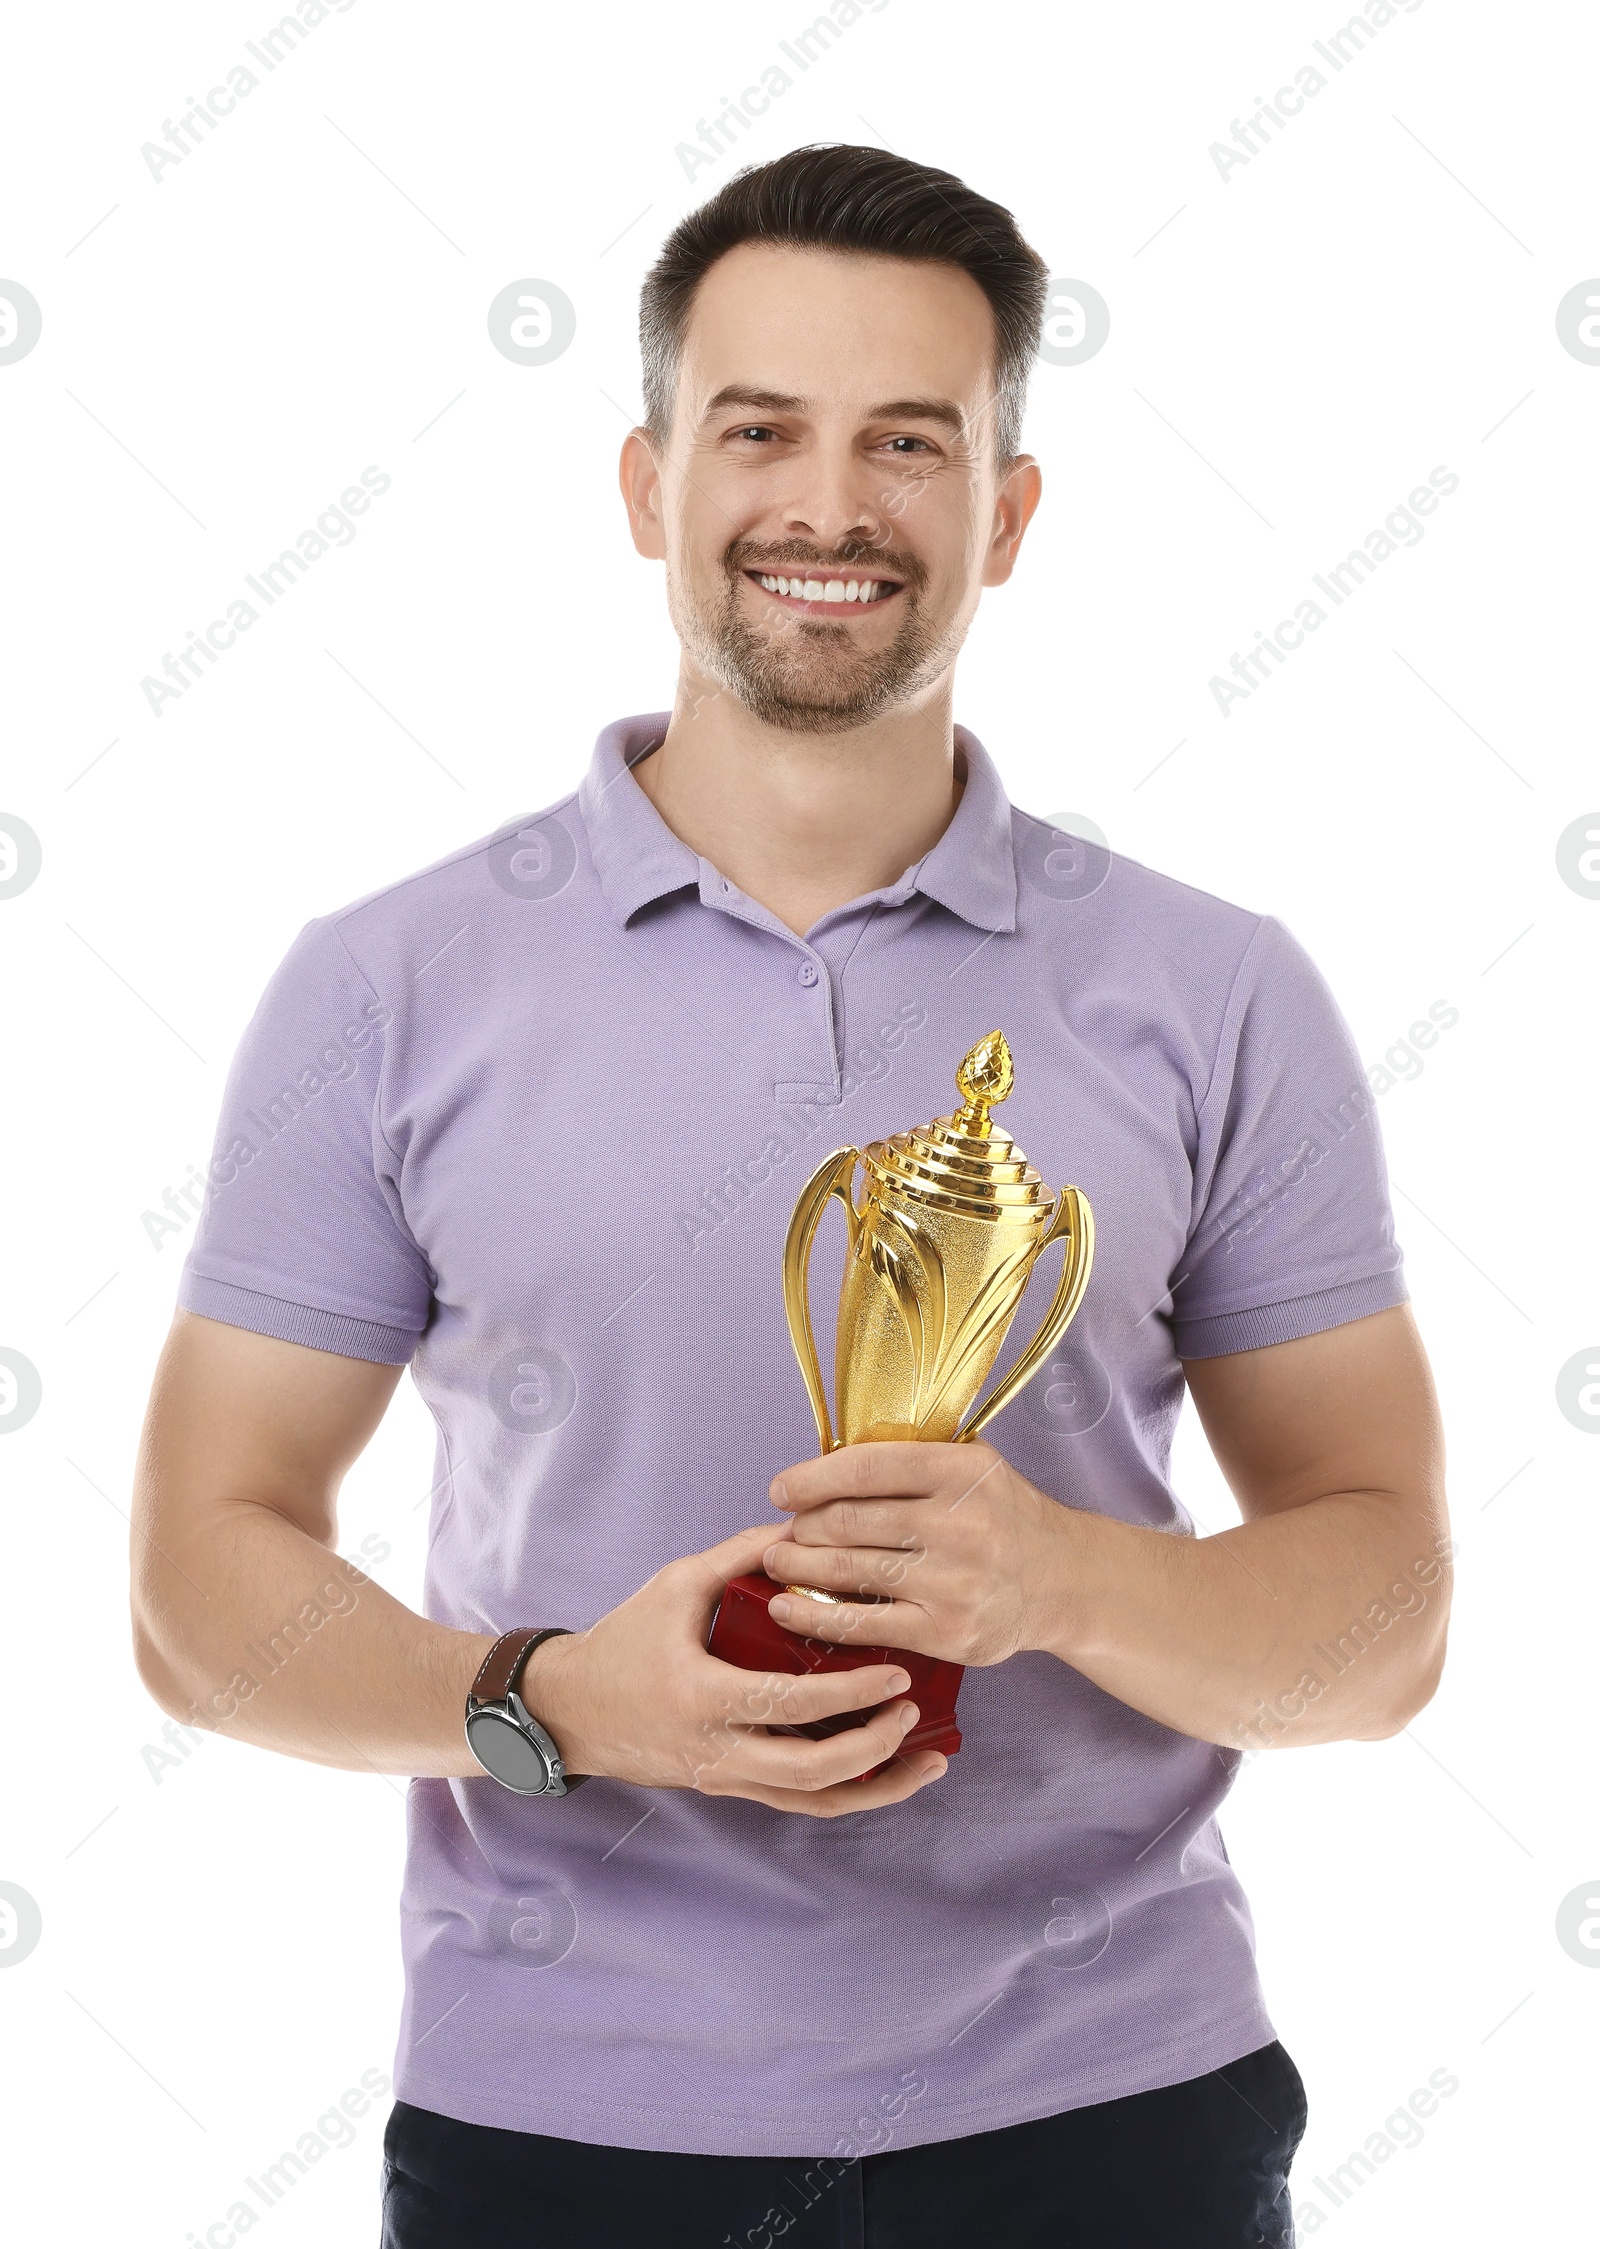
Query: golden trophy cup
x,y
951,1220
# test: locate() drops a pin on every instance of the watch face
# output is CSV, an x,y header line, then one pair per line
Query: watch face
x,y
499,1744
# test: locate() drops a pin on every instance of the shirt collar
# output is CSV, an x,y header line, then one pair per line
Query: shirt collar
x,y
971,869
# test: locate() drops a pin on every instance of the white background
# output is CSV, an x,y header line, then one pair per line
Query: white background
x,y
1292,350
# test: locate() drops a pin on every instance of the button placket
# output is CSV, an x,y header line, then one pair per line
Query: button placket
x,y
813,979
812,975
836,953
818,1039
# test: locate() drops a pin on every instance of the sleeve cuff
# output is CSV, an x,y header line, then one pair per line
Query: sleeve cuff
x,y
296,1323
1288,1321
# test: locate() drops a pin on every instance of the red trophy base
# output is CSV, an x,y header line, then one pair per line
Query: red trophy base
x,y
744,1632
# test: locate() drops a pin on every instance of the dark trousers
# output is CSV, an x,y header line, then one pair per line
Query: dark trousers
x,y
1202,2165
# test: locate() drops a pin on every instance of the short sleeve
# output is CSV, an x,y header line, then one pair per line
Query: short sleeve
x,y
1291,1230
302,1234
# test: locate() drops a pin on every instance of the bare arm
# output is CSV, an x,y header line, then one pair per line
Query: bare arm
x,y
247,1620
1320,1618
246,1442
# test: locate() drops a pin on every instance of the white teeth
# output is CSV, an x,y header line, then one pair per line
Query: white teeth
x,y
833,589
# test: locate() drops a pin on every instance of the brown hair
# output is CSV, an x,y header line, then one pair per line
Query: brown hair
x,y
831,196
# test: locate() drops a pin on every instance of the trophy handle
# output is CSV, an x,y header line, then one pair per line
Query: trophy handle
x,y
1074,1224
831,1177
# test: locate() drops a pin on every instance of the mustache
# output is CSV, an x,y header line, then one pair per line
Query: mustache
x,y
795,554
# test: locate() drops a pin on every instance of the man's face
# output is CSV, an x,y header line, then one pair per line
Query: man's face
x,y
828,505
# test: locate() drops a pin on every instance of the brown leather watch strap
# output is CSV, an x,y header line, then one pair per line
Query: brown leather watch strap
x,y
501,1666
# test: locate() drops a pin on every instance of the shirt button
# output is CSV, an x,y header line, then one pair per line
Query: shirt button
x,y
808,972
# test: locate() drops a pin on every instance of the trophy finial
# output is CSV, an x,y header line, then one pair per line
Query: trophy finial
x,y
984,1078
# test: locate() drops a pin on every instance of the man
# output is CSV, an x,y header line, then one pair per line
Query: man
x,y
532,1122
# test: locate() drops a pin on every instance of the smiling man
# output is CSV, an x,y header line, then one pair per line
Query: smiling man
x,y
531,1122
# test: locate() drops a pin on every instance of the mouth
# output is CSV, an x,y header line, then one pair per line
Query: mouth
x,y
813,596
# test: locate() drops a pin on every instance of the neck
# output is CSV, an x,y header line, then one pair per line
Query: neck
x,y
804,822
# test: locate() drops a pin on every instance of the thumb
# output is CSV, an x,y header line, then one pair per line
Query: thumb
x,y
732,1556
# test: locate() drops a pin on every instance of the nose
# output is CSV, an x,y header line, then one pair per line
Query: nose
x,y
830,506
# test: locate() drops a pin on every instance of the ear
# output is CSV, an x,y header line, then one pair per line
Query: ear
x,y
639,474
1014,504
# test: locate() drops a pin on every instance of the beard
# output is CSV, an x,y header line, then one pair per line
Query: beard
x,y
804,674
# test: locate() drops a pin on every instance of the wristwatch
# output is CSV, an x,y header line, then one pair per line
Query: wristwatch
x,y
502,1733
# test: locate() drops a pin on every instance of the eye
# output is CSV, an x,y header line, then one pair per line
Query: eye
x,y
918,441
758,432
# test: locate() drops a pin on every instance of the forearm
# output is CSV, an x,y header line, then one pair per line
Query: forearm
x,y
1323,1622
253,1628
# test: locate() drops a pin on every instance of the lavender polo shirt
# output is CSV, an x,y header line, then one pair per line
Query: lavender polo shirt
x,y
531,1122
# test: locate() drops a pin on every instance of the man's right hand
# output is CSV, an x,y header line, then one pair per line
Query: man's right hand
x,y
638,1698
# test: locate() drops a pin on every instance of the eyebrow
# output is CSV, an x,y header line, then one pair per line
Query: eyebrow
x,y
943,410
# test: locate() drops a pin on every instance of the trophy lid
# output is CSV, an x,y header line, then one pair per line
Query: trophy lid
x,y
963,1162
985,1078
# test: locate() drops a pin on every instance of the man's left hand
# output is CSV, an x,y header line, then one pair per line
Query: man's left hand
x,y
967,1549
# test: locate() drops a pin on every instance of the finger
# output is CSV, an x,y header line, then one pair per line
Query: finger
x,y
870,1471
709,1572
900,1779
853,1570
786,1698
792,1761
863,1624
864,1522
